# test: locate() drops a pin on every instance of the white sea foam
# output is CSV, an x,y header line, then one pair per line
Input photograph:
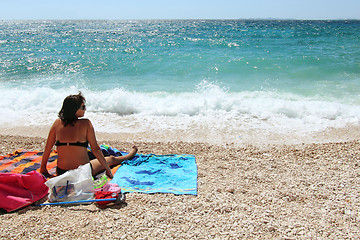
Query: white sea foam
x,y
210,108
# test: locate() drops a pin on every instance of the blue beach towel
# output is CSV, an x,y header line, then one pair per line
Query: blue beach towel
x,y
158,174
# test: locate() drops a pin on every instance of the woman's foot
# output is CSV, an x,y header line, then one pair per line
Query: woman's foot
x,y
132,153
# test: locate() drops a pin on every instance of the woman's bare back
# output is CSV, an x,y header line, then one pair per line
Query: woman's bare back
x,y
70,157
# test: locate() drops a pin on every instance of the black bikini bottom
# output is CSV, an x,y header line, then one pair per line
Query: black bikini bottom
x,y
60,171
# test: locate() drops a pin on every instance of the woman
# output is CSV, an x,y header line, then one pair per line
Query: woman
x,y
72,135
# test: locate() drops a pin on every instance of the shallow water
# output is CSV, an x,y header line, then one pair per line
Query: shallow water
x,y
218,78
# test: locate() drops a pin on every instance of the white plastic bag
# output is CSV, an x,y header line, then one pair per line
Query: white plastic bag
x,y
73,185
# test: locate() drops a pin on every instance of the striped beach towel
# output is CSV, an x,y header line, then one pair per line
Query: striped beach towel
x,y
23,161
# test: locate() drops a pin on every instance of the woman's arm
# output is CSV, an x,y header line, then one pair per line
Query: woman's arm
x,y
48,147
96,149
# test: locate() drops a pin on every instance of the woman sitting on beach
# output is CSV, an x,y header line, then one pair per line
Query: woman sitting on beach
x,y
72,135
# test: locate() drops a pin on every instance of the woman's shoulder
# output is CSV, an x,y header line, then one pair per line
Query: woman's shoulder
x,y
57,122
84,122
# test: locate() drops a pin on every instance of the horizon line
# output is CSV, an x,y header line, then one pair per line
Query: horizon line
x,y
174,19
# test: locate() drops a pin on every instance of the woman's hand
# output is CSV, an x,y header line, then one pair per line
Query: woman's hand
x,y
46,173
109,174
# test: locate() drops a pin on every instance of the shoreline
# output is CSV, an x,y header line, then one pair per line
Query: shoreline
x,y
291,191
258,138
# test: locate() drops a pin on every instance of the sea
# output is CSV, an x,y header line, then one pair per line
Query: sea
x,y
196,80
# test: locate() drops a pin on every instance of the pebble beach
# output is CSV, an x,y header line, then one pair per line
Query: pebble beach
x,y
269,108
294,191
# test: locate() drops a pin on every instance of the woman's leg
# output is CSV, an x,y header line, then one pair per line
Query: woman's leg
x,y
111,161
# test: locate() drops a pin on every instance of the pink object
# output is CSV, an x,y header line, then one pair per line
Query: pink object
x,y
109,187
20,190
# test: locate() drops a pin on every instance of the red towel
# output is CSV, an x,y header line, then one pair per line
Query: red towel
x,y
20,190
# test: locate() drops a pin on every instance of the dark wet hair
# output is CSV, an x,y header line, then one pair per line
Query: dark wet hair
x,y
71,104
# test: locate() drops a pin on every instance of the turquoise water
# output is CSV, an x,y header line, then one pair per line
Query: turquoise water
x,y
286,72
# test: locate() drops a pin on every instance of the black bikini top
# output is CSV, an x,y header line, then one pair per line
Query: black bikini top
x,y
80,144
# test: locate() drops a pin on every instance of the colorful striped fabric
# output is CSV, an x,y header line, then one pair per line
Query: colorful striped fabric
x,y
24,161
